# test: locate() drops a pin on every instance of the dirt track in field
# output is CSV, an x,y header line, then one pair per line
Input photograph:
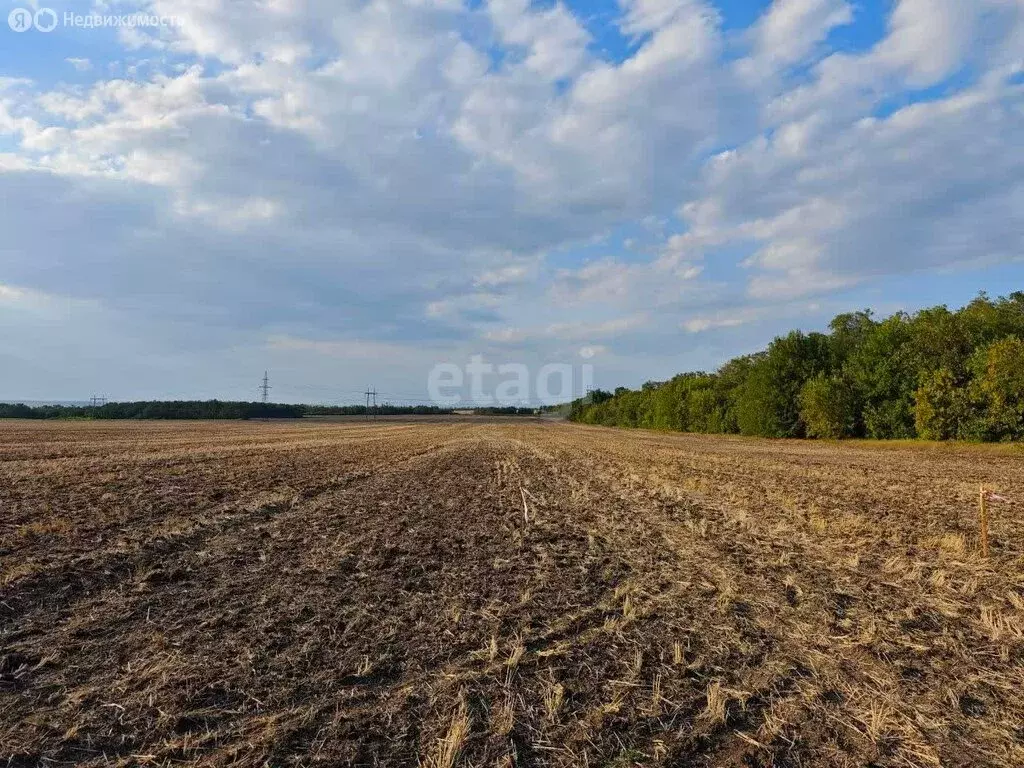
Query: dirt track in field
x,y
362,594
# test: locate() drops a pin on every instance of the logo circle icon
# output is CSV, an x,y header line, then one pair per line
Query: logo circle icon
x,y
20,20
45,19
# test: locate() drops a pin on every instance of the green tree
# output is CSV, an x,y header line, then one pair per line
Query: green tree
x,y
984,320
829,407
999,389
883,373
940,340
849,332
705,407
728,386
769,402
667,406
940,406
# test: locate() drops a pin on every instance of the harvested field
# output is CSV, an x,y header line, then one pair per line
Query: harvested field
x,y
514,593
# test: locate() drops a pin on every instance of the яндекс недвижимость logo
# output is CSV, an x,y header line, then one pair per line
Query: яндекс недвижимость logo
x,y
23,19
47,19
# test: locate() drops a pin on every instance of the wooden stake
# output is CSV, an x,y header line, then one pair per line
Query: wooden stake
x,y
983,515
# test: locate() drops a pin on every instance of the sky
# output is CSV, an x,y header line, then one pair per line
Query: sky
x,y
349,194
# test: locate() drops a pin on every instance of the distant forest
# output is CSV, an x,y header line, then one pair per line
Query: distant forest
x,y
936,374
208,409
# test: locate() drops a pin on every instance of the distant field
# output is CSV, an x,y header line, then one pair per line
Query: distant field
x,y
368,593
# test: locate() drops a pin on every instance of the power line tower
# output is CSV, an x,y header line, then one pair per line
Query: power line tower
x,y
371,393
265,387
97,401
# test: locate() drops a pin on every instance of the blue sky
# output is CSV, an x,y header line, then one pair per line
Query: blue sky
x,y
350,193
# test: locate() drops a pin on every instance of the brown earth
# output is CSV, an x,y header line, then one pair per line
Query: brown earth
x,y
507,593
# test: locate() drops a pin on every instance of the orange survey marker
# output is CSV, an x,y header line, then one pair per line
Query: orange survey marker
x,y
985,496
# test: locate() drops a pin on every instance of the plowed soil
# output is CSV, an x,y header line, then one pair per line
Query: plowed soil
x,y
509,593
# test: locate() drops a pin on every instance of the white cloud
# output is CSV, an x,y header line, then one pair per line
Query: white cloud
x,y
590,146
789,31
571,331
349,349
10,294
509,274
722,319
879,196
666,280
929,39
230,214
554,40
926,42
456,306
756,315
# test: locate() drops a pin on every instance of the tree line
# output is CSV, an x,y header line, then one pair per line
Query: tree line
x,y
221,409
205,409
380,410
936,374
505,410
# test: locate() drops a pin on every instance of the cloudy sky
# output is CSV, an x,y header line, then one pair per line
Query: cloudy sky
x,y
346,193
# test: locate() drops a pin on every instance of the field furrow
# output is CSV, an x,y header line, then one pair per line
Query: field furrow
x,y
502,593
